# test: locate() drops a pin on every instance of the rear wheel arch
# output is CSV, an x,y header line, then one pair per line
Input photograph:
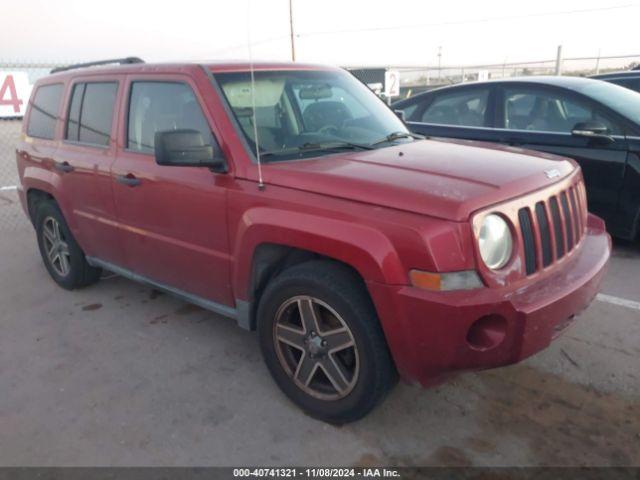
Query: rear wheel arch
x,y
63,257
34,197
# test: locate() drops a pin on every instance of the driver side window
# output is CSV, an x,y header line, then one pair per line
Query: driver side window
x,y
548,111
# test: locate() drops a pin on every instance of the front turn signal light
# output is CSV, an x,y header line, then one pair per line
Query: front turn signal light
x,y
464,280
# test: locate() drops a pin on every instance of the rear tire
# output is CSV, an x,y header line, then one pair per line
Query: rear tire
x,y
64,259
322,342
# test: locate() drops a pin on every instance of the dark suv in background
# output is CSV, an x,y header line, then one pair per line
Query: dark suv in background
x,y
596,123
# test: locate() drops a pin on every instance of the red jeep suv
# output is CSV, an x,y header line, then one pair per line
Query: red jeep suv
x,y
290,198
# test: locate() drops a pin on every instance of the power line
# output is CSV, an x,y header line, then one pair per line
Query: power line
x,y
244,46
470,21
426,25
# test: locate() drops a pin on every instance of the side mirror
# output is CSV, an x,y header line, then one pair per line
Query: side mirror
x,y
187,148
592,130
400,114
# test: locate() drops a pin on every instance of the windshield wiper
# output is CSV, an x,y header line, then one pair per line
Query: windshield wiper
x,y
334,146
396,136
317,147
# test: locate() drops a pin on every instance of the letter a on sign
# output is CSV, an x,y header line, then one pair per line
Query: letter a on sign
x,y
14,91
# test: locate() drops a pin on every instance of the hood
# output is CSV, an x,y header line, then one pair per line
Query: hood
x,y
444,179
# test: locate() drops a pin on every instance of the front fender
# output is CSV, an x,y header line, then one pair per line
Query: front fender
x,y
362,247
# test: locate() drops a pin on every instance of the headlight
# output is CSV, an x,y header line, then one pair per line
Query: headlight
x,y
495,241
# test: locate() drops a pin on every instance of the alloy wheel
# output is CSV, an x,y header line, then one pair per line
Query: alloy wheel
x,y
316,348
56,247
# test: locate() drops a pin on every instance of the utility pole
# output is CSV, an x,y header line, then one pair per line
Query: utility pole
x,y
439,63
559,61
293,40
598,62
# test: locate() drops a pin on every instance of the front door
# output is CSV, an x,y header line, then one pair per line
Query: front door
x,y
173,219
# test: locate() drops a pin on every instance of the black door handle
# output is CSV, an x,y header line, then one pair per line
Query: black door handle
x,y
63,167
129,180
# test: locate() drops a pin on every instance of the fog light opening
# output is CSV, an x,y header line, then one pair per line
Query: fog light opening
x,y
487,332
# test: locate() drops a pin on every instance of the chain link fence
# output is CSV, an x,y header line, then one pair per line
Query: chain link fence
x,y
11,215
414,80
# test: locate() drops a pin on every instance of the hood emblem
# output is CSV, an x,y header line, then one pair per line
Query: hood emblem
x,y
553,173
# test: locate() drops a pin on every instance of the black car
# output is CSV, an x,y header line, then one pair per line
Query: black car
x,y
594,122
629,79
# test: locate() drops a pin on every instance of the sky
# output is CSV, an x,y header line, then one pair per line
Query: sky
x,y
339,32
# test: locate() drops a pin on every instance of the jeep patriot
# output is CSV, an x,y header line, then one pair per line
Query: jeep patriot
x,y
290,198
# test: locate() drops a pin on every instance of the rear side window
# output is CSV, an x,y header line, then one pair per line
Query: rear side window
x,y
44,111
464,108
159,106
91,113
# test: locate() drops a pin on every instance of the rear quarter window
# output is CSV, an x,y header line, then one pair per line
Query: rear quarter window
x,y
44,114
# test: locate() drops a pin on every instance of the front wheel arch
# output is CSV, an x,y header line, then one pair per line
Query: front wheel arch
x,y
269,260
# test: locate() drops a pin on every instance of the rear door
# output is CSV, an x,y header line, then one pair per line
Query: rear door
x,y
462,112
84,159
173,219
543,117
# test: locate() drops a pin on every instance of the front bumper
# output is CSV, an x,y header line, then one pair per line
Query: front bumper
x,y
432,334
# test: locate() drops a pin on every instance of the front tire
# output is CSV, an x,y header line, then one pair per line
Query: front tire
x,y
64,259
322,342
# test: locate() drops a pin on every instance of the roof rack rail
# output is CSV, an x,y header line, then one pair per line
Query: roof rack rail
x,y
118,61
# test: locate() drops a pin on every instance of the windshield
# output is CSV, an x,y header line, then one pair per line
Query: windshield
x,y
303,113
620,99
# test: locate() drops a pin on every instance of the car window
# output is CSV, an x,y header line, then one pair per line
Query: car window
x,y
547,111
464,108
44,111
161,106
91,113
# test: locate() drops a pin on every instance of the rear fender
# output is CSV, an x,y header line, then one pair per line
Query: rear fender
x,y
36,178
